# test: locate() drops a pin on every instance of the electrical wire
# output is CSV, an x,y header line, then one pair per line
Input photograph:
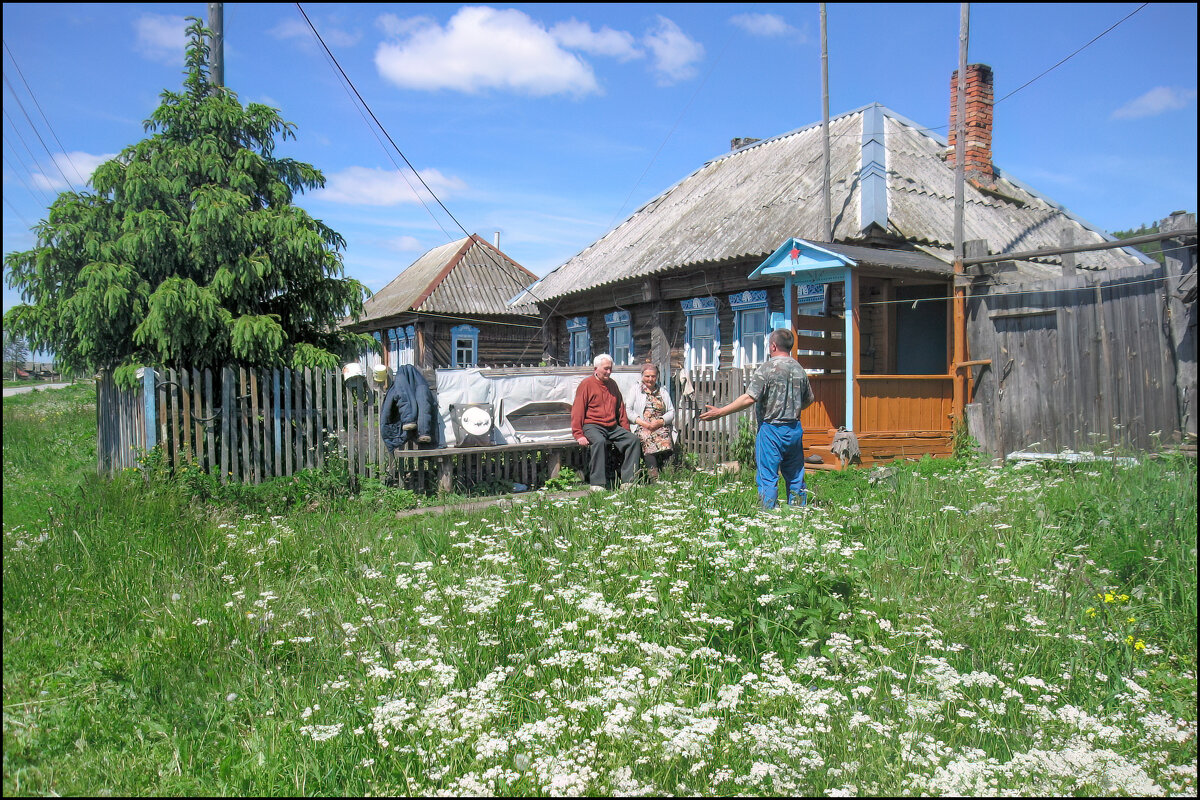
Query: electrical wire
x,y
33,96
1072,55
491,256
17,157
674,127
379,124
386,152
50,155
28,170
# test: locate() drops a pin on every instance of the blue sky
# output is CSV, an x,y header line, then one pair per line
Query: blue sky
x,y
552,123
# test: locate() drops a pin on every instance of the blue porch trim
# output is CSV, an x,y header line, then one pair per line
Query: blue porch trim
x,y
801,262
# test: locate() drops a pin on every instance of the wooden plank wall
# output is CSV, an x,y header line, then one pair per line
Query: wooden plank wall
x,y
1078,363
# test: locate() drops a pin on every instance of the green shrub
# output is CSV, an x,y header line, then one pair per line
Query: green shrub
x,y
566,480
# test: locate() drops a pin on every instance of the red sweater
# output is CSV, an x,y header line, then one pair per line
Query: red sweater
x,y
597,403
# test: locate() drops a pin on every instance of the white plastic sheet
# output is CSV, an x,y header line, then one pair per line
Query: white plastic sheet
x,y
508,392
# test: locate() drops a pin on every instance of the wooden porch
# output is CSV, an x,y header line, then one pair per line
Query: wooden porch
x,y
895,417
879,367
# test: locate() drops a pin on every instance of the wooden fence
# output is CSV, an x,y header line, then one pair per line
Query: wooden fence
x,y
1076,362
710,442
249,426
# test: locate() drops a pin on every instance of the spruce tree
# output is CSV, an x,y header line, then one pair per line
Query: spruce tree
x,y
188,251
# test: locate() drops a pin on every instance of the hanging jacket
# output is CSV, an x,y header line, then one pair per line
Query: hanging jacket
x,y
409,410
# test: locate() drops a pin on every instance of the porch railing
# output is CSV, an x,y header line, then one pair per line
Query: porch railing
x,y
904,403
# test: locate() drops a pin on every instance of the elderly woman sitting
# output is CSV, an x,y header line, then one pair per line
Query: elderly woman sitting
x,y
651,413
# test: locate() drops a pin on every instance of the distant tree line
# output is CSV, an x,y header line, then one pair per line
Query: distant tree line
x,y
1152,249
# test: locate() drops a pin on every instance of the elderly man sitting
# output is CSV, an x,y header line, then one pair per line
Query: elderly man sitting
x,y
598,419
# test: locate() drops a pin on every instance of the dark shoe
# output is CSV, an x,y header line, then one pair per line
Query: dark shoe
x,y
814,459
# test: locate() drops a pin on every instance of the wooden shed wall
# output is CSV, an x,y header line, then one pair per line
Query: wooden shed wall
x,y
1076,363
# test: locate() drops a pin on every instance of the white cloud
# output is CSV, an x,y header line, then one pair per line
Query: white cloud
x,y
1156,101
404,244
291,29
161,38
483,48
297,29
394,26
605,42
370,186
76,165
763,24
675,53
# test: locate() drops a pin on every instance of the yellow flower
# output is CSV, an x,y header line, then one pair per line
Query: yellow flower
x,y
1091,612
1132,619
1139,645
1109,598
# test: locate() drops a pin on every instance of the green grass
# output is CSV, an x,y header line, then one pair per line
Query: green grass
x,y
936,628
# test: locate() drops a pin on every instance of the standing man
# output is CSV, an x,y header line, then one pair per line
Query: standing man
x,y
598,419
778,390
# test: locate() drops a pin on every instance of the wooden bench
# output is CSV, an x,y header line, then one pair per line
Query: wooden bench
x,y
444,457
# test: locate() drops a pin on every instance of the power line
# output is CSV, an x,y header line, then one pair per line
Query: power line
x,y
33,96
674,127
24,166
342,82
392,142
357,94
20,216
21,106
1077,52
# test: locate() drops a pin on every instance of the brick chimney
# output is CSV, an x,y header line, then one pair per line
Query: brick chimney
x,y
979,168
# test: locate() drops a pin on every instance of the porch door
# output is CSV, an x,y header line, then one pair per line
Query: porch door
x,y
822,352
921,333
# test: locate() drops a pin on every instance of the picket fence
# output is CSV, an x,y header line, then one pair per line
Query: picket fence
x,y
248,426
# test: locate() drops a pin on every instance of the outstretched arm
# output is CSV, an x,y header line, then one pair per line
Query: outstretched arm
x,y
740,404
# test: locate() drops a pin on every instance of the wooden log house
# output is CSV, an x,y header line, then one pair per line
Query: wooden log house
x,y
696,278
449,308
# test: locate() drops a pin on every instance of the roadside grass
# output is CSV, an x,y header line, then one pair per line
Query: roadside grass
x,y
935,628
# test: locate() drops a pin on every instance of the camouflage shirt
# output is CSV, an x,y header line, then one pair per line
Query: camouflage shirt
x,y
780,388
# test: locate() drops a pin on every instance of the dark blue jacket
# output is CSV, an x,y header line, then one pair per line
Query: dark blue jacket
x,y
409,410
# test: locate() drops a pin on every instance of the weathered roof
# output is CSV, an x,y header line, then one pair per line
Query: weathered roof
x,y
885,172
468,276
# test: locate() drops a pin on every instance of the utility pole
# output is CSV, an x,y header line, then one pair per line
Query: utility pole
x,y
959,380
827,219
216,54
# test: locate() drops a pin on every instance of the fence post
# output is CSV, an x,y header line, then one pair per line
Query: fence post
x,y
148,388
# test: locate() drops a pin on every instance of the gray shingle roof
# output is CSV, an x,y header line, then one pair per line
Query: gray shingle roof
x,y
745,203
468,276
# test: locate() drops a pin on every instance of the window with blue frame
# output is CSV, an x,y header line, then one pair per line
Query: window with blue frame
x,y
464,346
751,326
400,346
620,337
393,348
702,335
408,345
581,342
371,357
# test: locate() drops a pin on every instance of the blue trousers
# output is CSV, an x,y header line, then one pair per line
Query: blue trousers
x,y
779,448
